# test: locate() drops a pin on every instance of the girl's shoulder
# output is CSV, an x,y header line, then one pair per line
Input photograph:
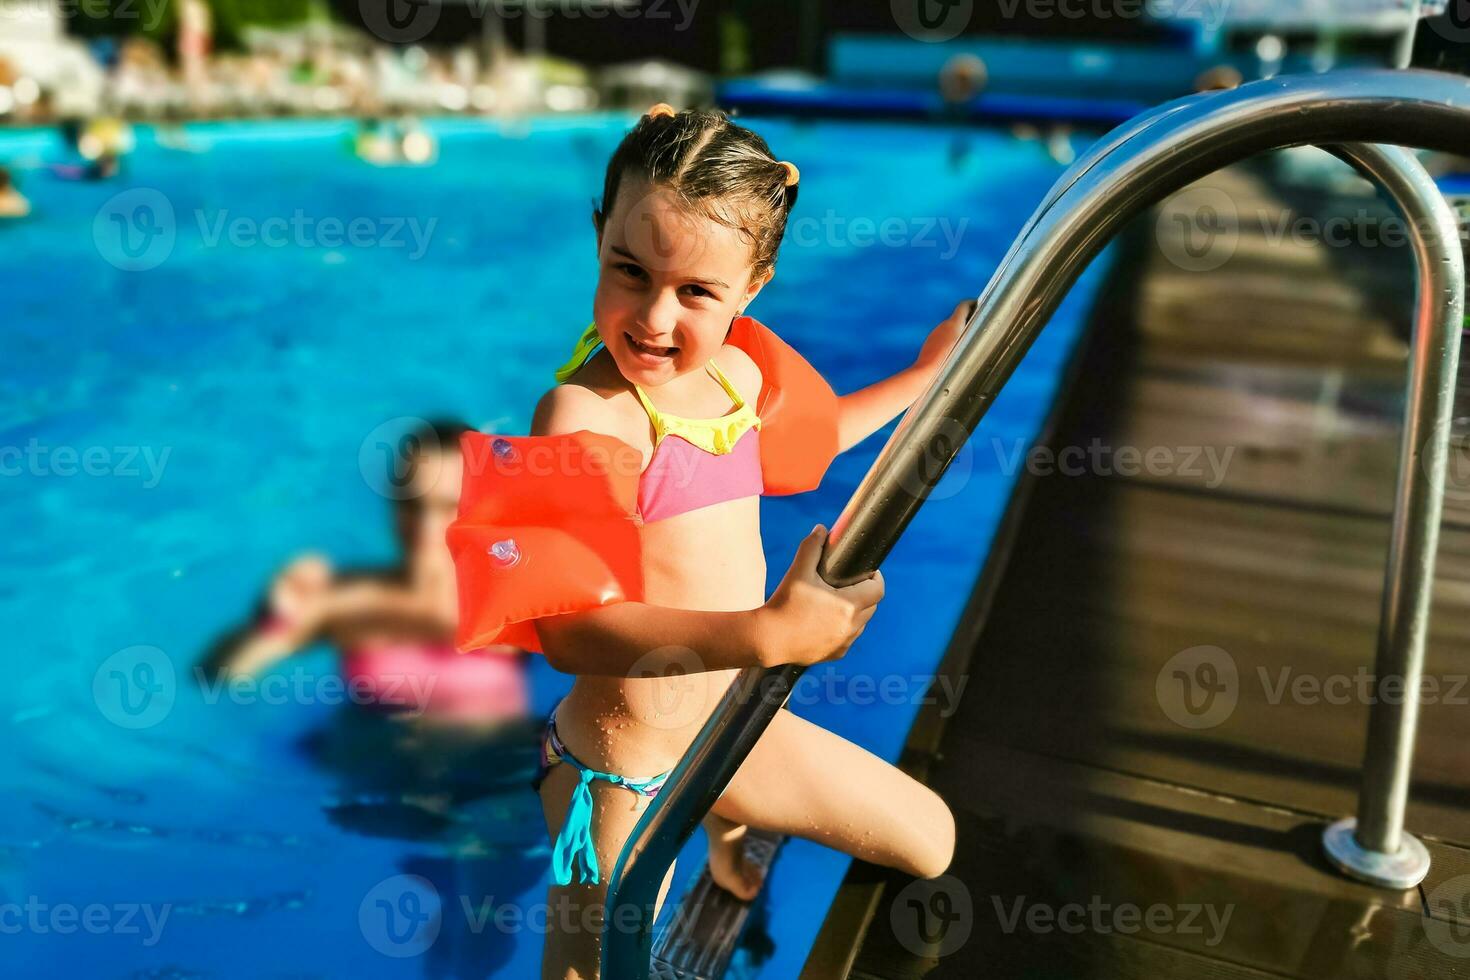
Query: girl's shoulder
x,y
742,371
587,400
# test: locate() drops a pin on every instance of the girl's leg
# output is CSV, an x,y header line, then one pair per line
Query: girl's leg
x,y
804,781
575,914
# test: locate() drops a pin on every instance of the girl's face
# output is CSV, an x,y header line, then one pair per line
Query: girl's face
x,y
669,283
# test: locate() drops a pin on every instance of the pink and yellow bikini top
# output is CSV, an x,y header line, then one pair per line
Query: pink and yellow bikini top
x,y
553,524
708,461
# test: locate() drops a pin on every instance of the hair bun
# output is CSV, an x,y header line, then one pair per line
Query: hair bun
x,y
661,109
792,174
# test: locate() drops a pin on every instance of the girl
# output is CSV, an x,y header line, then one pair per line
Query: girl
x,y
621,538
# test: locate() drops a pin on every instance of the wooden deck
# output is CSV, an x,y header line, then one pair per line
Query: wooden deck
x,y
1089,795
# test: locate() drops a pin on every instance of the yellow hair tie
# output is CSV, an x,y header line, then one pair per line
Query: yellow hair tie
x,y
661,109
792,174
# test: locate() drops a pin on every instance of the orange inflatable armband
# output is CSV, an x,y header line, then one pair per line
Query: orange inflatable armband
x,y
546,525
798,411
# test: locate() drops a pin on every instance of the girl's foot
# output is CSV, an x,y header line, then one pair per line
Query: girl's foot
x,y
727,863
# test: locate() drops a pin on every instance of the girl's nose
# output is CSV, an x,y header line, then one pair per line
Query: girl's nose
x,y
660,317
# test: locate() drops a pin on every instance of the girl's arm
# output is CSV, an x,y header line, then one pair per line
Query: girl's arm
x,y
866,411
805,620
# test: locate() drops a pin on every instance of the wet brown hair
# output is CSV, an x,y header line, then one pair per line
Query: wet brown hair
x,y
719,169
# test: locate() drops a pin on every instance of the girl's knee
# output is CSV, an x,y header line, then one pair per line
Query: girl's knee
x,y
934,840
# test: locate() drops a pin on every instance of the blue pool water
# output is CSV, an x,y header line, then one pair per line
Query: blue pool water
x,y
186,406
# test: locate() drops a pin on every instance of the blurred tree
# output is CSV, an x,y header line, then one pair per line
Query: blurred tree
x,y
158,19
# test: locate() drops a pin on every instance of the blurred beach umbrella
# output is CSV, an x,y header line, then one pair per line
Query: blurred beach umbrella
x,y
34,43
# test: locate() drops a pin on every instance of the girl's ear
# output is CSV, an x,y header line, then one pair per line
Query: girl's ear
x,y
756,285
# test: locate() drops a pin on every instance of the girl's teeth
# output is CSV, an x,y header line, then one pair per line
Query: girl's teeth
x,y
661,351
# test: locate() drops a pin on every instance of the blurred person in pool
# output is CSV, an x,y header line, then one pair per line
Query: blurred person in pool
x,y
393,626
13,203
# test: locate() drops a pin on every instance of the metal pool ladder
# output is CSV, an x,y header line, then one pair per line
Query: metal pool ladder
x,y
1128,170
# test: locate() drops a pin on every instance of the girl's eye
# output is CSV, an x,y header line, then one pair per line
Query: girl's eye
x,y
700,290
629,269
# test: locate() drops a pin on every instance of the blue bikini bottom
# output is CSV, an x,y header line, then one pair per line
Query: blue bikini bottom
x,y
574,847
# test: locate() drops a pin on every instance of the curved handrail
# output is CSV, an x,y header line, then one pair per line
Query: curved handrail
x,y
1099,193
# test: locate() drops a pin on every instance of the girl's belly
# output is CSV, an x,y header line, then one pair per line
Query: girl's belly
x,y
639,725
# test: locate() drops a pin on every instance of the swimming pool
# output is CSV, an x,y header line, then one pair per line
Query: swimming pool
x,y
203,356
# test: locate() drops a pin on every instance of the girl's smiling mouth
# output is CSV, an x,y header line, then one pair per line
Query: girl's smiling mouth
x,y
650,354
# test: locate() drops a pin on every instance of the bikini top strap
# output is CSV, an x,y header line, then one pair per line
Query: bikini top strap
x,y
659,426
653,416
726,383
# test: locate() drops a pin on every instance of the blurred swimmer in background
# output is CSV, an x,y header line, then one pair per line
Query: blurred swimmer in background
x,y
13,203
394,627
